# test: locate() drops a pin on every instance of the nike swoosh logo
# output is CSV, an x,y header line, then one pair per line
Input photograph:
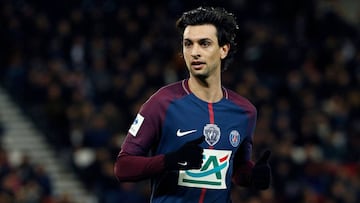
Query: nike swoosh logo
x,y
180,134
183,163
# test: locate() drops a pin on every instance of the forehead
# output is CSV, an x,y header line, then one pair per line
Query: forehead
x,y
196,32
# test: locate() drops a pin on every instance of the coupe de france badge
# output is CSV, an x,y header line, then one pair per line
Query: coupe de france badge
x,y
135,126
212,134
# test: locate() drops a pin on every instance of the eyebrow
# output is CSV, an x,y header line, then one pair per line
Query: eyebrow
x,y
198,40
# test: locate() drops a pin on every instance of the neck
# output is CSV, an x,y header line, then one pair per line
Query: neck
x,y
206,89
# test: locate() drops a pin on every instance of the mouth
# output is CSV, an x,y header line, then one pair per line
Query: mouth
x,y
197,64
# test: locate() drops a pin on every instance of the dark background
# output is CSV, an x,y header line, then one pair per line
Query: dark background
x,y
81,69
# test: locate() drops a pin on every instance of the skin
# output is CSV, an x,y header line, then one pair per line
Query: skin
x,y
203,55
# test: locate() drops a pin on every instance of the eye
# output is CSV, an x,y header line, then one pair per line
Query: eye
x,y
187,44
205,43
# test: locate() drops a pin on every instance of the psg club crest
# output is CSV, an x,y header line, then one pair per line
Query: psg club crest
x,y
212,134
234,138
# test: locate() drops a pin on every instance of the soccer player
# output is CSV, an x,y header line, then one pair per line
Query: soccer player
x,y
193,138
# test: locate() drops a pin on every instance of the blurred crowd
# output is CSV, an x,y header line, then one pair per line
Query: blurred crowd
x,y
23,181
81,70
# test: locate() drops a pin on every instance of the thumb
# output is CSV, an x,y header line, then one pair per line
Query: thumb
x,y
264,157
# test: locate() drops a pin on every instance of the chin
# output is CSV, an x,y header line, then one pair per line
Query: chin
x,y
200,76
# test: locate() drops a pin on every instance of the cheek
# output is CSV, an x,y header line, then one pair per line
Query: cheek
x,y
216,56
186,56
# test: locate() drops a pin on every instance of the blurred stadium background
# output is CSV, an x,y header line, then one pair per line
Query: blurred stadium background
x,y
74,73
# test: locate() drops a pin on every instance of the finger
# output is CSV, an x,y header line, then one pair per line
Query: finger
x,y
265,157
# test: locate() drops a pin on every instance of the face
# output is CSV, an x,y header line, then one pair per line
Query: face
x,y
201,50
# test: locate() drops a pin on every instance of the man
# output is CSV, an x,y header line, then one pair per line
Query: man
x,y
198,133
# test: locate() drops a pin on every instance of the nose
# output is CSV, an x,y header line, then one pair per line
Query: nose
x,y
195,53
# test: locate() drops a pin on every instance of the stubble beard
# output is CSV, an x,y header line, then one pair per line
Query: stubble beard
x,y
201,76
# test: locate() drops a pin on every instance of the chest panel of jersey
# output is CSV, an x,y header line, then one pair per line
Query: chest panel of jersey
x,y
191,114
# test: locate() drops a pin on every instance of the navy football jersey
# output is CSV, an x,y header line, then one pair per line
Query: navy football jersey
x,y
173,116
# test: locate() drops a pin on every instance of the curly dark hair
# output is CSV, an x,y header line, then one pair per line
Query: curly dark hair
x,y
224,22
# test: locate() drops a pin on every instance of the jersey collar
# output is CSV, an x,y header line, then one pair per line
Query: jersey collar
x,y
185,85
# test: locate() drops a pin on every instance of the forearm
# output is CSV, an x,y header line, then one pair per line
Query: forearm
x,y
257,176
242,174
134,168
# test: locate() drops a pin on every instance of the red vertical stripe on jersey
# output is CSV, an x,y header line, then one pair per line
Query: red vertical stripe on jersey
x,y
211,117
211,113
202,195
212,121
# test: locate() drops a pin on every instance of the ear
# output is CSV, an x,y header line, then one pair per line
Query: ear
x,y
224,50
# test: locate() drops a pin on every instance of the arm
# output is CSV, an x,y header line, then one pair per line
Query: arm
x,y
133,162
134,168
257,176
243,165
247,173
242,161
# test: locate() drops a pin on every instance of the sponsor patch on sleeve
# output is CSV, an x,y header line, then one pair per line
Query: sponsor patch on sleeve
x,y
135,126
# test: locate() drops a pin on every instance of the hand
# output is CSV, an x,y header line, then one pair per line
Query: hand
x,y
261,172
188,156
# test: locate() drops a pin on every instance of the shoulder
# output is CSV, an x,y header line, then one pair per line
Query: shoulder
x,y
176,89
169,92
241,102
165,95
